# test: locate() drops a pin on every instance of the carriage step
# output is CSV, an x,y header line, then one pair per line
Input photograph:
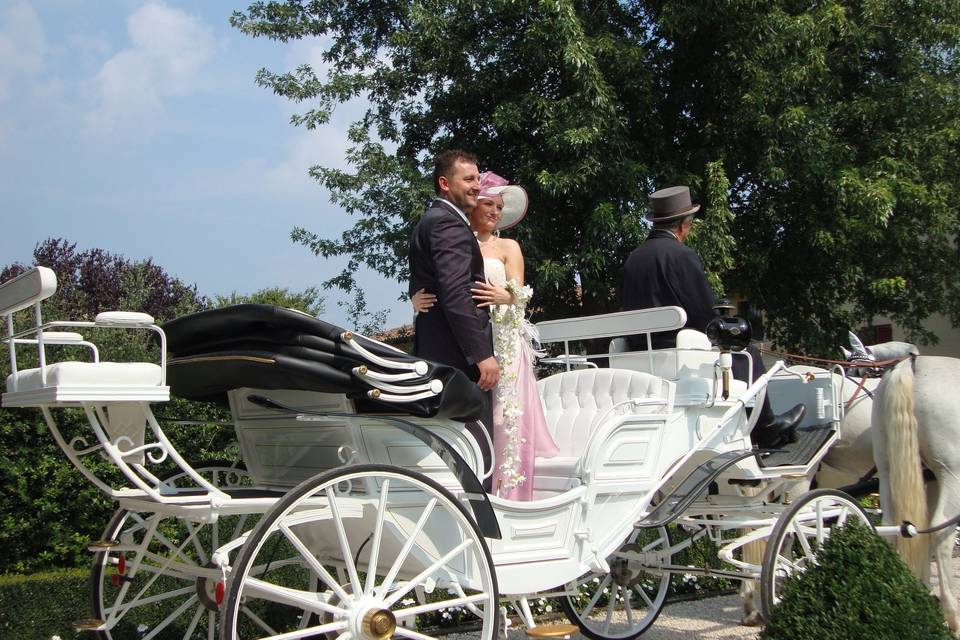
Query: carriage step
x,y
553,631
89,624
102,545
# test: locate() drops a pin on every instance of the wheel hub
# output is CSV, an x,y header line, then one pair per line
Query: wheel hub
x,y
378,624
620,570
206,591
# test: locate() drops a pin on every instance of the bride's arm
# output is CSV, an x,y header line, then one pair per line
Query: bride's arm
x,y
512,260
487,294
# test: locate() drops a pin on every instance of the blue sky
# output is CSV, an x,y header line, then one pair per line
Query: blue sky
x,y
136,126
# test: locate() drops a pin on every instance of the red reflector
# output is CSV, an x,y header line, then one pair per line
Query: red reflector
x,y
219,593
115,579
122,564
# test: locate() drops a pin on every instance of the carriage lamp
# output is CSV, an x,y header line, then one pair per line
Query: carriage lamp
x,y
729,334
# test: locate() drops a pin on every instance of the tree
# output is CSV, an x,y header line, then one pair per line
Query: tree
x,y
837,125
309,300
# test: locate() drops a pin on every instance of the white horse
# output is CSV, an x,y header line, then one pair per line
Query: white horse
x,y
916,418
852,457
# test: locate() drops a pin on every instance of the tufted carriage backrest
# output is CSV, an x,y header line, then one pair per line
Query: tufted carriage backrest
x,y
574,401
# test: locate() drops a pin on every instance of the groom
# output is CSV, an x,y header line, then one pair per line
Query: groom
x,y
445,260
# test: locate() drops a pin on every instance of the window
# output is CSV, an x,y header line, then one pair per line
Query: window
x,y
882,333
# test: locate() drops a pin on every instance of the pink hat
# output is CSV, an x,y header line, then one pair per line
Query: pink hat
x,y
514,198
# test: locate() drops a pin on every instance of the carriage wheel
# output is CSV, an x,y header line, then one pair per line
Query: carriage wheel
x,y
171,592
624,603
391,552
798,534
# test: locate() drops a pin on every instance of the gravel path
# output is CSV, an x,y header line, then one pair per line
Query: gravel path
x,y
709,619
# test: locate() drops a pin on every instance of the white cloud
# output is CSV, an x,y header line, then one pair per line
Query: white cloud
x,y
169,50
23,46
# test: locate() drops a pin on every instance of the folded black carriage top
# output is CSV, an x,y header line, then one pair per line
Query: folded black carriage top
x,y
267,347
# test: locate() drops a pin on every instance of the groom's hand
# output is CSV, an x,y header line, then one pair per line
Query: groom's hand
x,y
489,373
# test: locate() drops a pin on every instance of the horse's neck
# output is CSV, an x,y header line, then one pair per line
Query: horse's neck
x,y
891,350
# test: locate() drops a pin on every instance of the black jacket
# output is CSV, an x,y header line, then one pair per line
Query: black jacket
x,y
664,272
445,259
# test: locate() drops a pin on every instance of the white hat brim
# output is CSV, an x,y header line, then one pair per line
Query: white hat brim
x,y
514,204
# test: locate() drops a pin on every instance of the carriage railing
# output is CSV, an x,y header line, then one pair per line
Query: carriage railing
x,y
118,413
685,359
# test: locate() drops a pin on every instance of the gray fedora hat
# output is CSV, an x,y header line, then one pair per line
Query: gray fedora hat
x,y
670,203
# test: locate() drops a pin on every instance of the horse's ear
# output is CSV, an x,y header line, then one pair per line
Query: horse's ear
x,y
859,351
847,354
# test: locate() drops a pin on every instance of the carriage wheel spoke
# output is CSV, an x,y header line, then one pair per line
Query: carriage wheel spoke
x,y
237,530
643,594
653,544
344,543
442,604
402,591
211,625
627,607
842,518
610,605
410,633
123,607
173,616
193,623
596,596
788,564
290,597
315,565
377,532
407,546
802,540
820,530
201,554
257,620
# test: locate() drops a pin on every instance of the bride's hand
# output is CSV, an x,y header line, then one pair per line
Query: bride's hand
x,y
487,294
422,301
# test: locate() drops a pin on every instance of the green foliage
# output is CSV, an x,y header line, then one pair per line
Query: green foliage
x,y
309,300
49,511
44,605
710,236
859,589
837,124
362,318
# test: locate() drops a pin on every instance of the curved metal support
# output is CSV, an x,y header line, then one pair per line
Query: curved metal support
x,y
692,487
482,509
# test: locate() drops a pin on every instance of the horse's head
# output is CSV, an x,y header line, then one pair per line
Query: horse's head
x,y
860,355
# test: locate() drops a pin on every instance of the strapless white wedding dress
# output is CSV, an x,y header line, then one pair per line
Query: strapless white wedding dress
x,y
520,432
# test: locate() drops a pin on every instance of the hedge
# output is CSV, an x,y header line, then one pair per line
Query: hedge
x,y
44,605
858,590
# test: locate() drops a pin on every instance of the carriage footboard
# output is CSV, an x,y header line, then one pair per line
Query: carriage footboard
x,y
809,441
692,487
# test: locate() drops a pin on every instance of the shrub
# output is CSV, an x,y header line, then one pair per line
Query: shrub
x,y
859,589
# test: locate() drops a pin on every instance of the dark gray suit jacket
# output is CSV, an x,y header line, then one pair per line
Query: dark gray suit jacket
x,y
445,260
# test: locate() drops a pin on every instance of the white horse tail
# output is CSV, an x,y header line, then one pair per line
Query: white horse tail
x,y
907,499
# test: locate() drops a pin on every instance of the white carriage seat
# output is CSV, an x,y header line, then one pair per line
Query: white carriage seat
x,y
68,382
79,381
577,402
89,374
691,364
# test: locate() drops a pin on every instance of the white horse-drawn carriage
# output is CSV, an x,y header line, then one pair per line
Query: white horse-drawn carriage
x,y
358,509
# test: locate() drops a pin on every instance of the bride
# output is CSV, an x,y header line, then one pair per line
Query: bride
x,y
520,433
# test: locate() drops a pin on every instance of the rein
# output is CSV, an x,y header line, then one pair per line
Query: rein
x,y
866,364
